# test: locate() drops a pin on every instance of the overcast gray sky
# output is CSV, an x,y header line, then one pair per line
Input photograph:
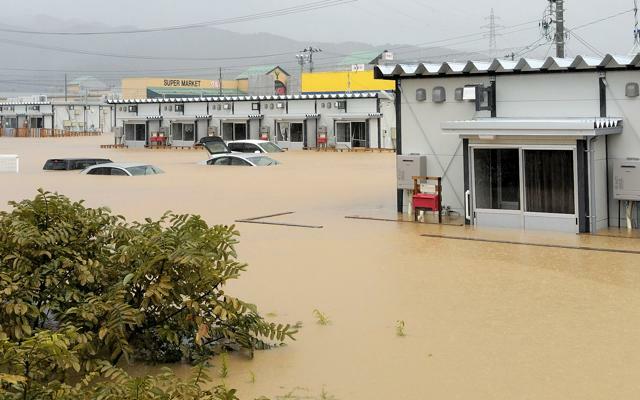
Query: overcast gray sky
x,y
371,21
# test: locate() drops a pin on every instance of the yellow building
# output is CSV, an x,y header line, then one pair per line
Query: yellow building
x,y
343,82
142,88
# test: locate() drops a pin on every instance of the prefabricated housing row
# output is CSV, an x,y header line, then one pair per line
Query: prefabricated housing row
x,y
525,144
74,117
294,122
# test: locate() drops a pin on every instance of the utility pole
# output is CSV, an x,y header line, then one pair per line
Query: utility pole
x,y
560,34
310,51
636,31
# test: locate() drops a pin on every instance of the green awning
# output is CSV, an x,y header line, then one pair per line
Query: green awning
x,y
162,92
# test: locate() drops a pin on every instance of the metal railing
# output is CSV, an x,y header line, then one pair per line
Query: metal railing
x,y
43,133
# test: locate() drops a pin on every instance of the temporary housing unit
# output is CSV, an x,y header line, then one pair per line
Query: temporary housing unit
x,y
294,122
29,118
525,144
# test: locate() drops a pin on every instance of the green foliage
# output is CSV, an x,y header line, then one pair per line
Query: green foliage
x,y
224,366
321,318
81,290
400,325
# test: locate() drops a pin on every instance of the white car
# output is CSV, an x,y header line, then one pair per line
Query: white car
x,y
220,154
122,169
254,146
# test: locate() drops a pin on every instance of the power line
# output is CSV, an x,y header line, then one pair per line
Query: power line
x,y
318,5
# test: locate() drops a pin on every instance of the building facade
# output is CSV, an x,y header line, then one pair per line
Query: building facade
x,y
363,120
29,118
528,144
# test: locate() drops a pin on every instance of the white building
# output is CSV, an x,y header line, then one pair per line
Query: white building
x,y
294,122
528,144
29,118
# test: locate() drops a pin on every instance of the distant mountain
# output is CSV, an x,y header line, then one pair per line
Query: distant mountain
x,y
37,63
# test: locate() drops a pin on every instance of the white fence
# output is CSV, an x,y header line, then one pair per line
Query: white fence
x,y
9,163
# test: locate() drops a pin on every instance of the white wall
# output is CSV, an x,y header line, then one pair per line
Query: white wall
x,y
628,144
422,134
548,95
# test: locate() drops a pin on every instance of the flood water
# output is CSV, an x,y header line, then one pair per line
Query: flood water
x,y
483,320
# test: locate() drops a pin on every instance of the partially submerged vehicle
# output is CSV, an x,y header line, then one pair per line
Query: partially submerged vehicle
x,y
254,146
221,154
123,169
70,164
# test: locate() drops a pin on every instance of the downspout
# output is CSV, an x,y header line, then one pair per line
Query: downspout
x,y
603,114
593,221
398,104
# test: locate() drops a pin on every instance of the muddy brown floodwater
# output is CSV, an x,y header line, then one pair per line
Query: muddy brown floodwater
x,y
483,320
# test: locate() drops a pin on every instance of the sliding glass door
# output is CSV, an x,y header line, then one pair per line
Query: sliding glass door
x,y
525,187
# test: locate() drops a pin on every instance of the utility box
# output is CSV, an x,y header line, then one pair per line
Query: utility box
x,y
408,167
626,180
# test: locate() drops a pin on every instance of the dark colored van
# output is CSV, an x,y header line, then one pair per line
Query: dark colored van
x,y
69,164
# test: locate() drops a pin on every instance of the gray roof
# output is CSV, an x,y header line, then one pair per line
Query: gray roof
x,y
551,64
367,95
534,126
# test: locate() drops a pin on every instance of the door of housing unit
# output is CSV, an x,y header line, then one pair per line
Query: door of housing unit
x,y
351,134
183,134
234,131
135,134
290,135
525,187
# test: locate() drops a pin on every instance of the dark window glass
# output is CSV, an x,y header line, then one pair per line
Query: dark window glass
x,y
240,132
359,138
296,133
130,132
219,161
343,132
239,162
239,147
549,181
497,179
188,132
176,131
118,171
227,131
140,133
56,165
100,171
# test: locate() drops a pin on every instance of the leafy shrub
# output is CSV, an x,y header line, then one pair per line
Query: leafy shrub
x,y
82,289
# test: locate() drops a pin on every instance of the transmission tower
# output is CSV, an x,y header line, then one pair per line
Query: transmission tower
x,y
492,27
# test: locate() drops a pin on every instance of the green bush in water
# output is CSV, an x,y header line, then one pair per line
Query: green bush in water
x,y
82,290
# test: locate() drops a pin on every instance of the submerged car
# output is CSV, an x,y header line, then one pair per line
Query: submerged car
x,y
254,146
123,169
69,164
242,160
221,154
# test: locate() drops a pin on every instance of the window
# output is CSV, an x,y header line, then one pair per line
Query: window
x,y
341,105
183,132
144,170
251,148
180,108
227,131
297,132
133,109
271,148
263,161
141,135
239,162
130,132
359,134
549,181
322,105
118,172
497,179
100,171
35,108
255,106
240,131
219,161
343,132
